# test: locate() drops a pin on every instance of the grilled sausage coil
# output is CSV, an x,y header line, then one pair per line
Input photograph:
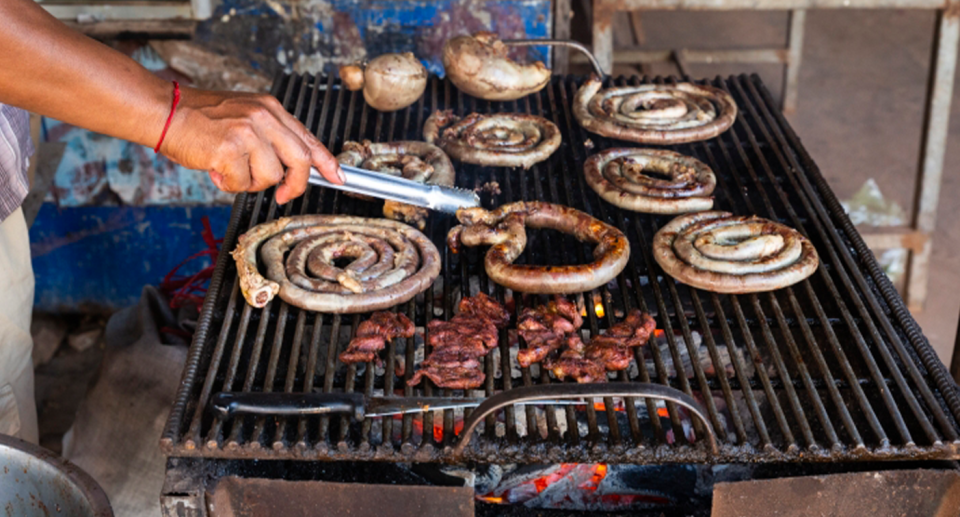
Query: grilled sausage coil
x,y
392,263
504,229
622,177
726,253
500,139
654,113
415,161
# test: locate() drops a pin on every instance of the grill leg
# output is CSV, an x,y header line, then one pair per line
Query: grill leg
x,y
791,72
603,35
562,12
934,144
955,359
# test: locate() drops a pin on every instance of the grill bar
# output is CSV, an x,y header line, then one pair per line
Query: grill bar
x,y
820,371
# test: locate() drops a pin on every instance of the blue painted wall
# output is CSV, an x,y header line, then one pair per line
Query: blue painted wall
x,y
100,257
316,36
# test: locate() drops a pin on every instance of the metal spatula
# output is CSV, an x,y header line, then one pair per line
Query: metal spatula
x,y
395,188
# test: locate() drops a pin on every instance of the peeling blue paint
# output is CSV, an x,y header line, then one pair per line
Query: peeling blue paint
x,y
97,169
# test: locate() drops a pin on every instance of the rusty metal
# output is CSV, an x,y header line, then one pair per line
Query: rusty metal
x,y
550,392
831,369
35,482
560,43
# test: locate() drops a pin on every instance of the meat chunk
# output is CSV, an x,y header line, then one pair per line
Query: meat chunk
x,y
457,378
541,344
373,334
462,330
457,345
609,352
486,309
547,328
572,363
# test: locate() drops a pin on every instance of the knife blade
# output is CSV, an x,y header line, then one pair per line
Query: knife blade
x,y
395,188
228,404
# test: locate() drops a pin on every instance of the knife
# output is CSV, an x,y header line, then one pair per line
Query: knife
x,y
395,188
359,405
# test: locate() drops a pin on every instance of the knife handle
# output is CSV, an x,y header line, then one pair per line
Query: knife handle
x,y
288,404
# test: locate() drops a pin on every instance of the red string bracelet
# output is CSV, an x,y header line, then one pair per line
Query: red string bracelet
x,y
173,109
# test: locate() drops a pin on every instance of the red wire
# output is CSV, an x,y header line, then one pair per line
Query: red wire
x,y
173,109
184,290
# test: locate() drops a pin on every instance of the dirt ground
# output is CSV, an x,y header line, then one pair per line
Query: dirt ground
x,y
861,95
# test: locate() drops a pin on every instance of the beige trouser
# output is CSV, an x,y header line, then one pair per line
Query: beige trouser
x,y
18,410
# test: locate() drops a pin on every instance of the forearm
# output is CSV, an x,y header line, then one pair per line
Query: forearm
x,y
49,69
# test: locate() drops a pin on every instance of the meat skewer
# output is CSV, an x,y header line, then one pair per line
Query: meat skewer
x,y
373,334
479,66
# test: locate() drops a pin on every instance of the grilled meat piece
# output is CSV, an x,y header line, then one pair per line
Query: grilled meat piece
x,y
548,328
457,378
373,334
612,351
636,326
485,308
541,344
572,363
457,345
462,330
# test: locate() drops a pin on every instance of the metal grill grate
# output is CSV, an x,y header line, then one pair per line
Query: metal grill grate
x,y
833,368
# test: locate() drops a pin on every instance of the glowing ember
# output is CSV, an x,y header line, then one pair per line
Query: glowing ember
x,y
571,486
600,406
437,427
599,472
598,308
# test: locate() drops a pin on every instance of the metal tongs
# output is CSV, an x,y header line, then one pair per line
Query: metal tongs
x,y
395,188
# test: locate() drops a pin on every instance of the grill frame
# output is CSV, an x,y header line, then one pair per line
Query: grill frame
x,y
816,418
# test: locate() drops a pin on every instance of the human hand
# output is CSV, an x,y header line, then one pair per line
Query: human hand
x,y
245,140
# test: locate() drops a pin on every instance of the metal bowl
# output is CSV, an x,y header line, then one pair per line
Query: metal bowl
x,y
37,482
